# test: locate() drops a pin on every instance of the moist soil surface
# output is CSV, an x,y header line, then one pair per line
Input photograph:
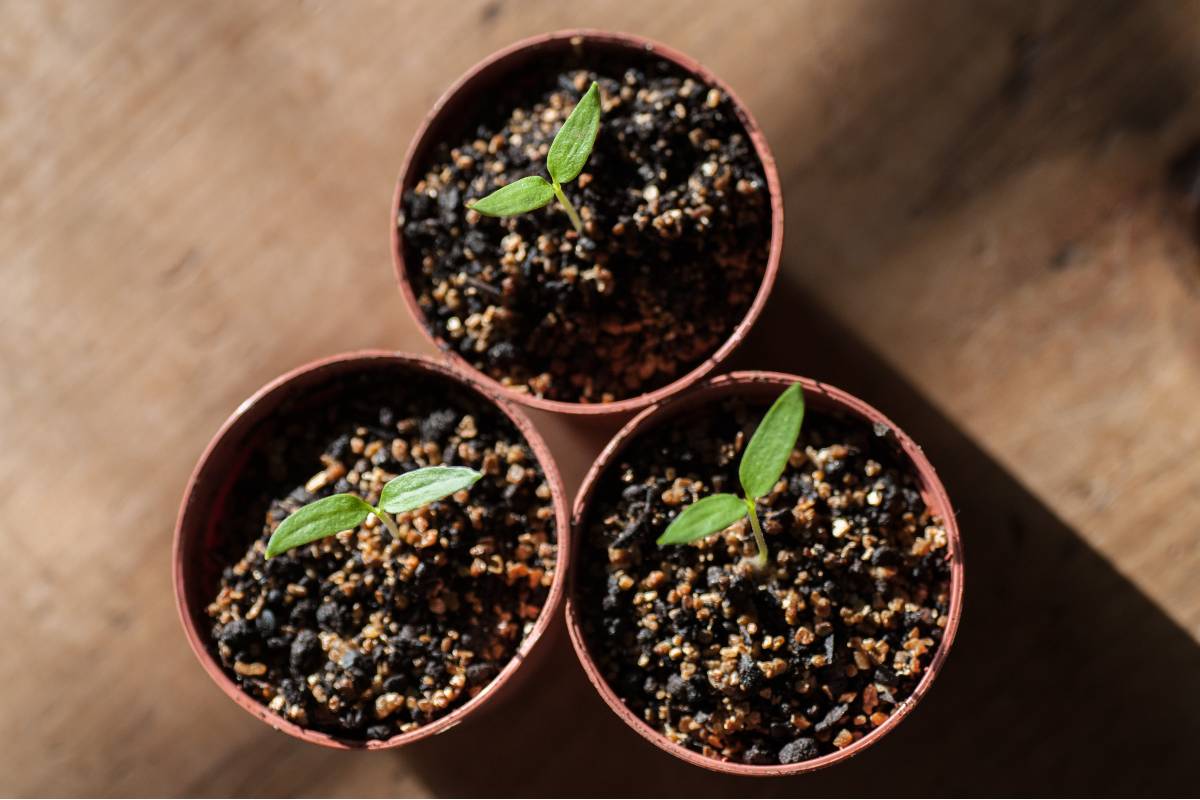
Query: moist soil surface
x,y
677,228
361,635
779,667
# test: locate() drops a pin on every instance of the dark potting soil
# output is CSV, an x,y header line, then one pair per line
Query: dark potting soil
x,y
362,635
779,668
677,229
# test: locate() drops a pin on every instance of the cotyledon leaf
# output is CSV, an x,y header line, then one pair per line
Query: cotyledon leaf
x,y
703,517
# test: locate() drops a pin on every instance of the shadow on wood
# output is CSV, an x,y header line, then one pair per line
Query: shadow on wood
x,y
1065,677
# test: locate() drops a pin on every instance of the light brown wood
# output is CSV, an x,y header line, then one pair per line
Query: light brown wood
x,y
982,240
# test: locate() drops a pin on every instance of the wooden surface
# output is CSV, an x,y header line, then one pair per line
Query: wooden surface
x,y
983,239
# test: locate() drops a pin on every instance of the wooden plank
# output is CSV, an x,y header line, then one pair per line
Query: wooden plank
x,y
981,240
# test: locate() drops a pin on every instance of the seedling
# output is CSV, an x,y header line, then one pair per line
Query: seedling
x,y
343,512
568,153
762,465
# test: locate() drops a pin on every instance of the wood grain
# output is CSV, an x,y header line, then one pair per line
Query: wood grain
x,y
982,239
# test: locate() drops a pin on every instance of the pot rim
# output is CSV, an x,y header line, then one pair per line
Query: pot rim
x,y
819,395
276,391
633,42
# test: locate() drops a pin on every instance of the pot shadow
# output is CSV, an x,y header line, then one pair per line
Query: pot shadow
x,y
575,442
1064,677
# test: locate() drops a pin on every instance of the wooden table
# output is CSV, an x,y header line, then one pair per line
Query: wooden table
x,y
990,236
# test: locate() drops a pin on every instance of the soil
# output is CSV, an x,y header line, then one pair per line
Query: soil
x,y
779,667
361,635
677,229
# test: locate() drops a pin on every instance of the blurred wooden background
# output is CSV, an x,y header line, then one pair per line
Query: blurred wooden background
x,y
992,234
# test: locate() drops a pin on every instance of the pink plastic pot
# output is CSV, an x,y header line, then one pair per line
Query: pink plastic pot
x,y
197,532
820,396
457,106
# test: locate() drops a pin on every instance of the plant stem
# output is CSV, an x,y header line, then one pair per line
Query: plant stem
x,y
760,560
570,209
387,520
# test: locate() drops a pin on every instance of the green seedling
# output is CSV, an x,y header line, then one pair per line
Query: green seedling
x,y
761,466
343,512
568,153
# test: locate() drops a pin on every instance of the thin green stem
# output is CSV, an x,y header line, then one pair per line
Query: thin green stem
x,y
570,209
760,560
387,520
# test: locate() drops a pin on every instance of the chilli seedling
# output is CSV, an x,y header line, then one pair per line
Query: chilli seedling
x,y
568,153
762,465
343,512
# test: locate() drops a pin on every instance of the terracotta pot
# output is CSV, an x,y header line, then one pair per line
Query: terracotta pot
x,y
197,570
766,385
457,107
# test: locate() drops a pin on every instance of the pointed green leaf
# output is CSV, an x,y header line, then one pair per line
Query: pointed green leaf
x,y
423,486
573,143
772,444
703,517
325,517
517,197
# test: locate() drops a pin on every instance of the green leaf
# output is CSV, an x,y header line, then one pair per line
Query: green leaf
x,y
423,486
772,444
325,517
517,197
573,143
707,515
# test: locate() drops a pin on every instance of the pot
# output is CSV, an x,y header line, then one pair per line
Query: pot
x,y
818,396
454,111
197,570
